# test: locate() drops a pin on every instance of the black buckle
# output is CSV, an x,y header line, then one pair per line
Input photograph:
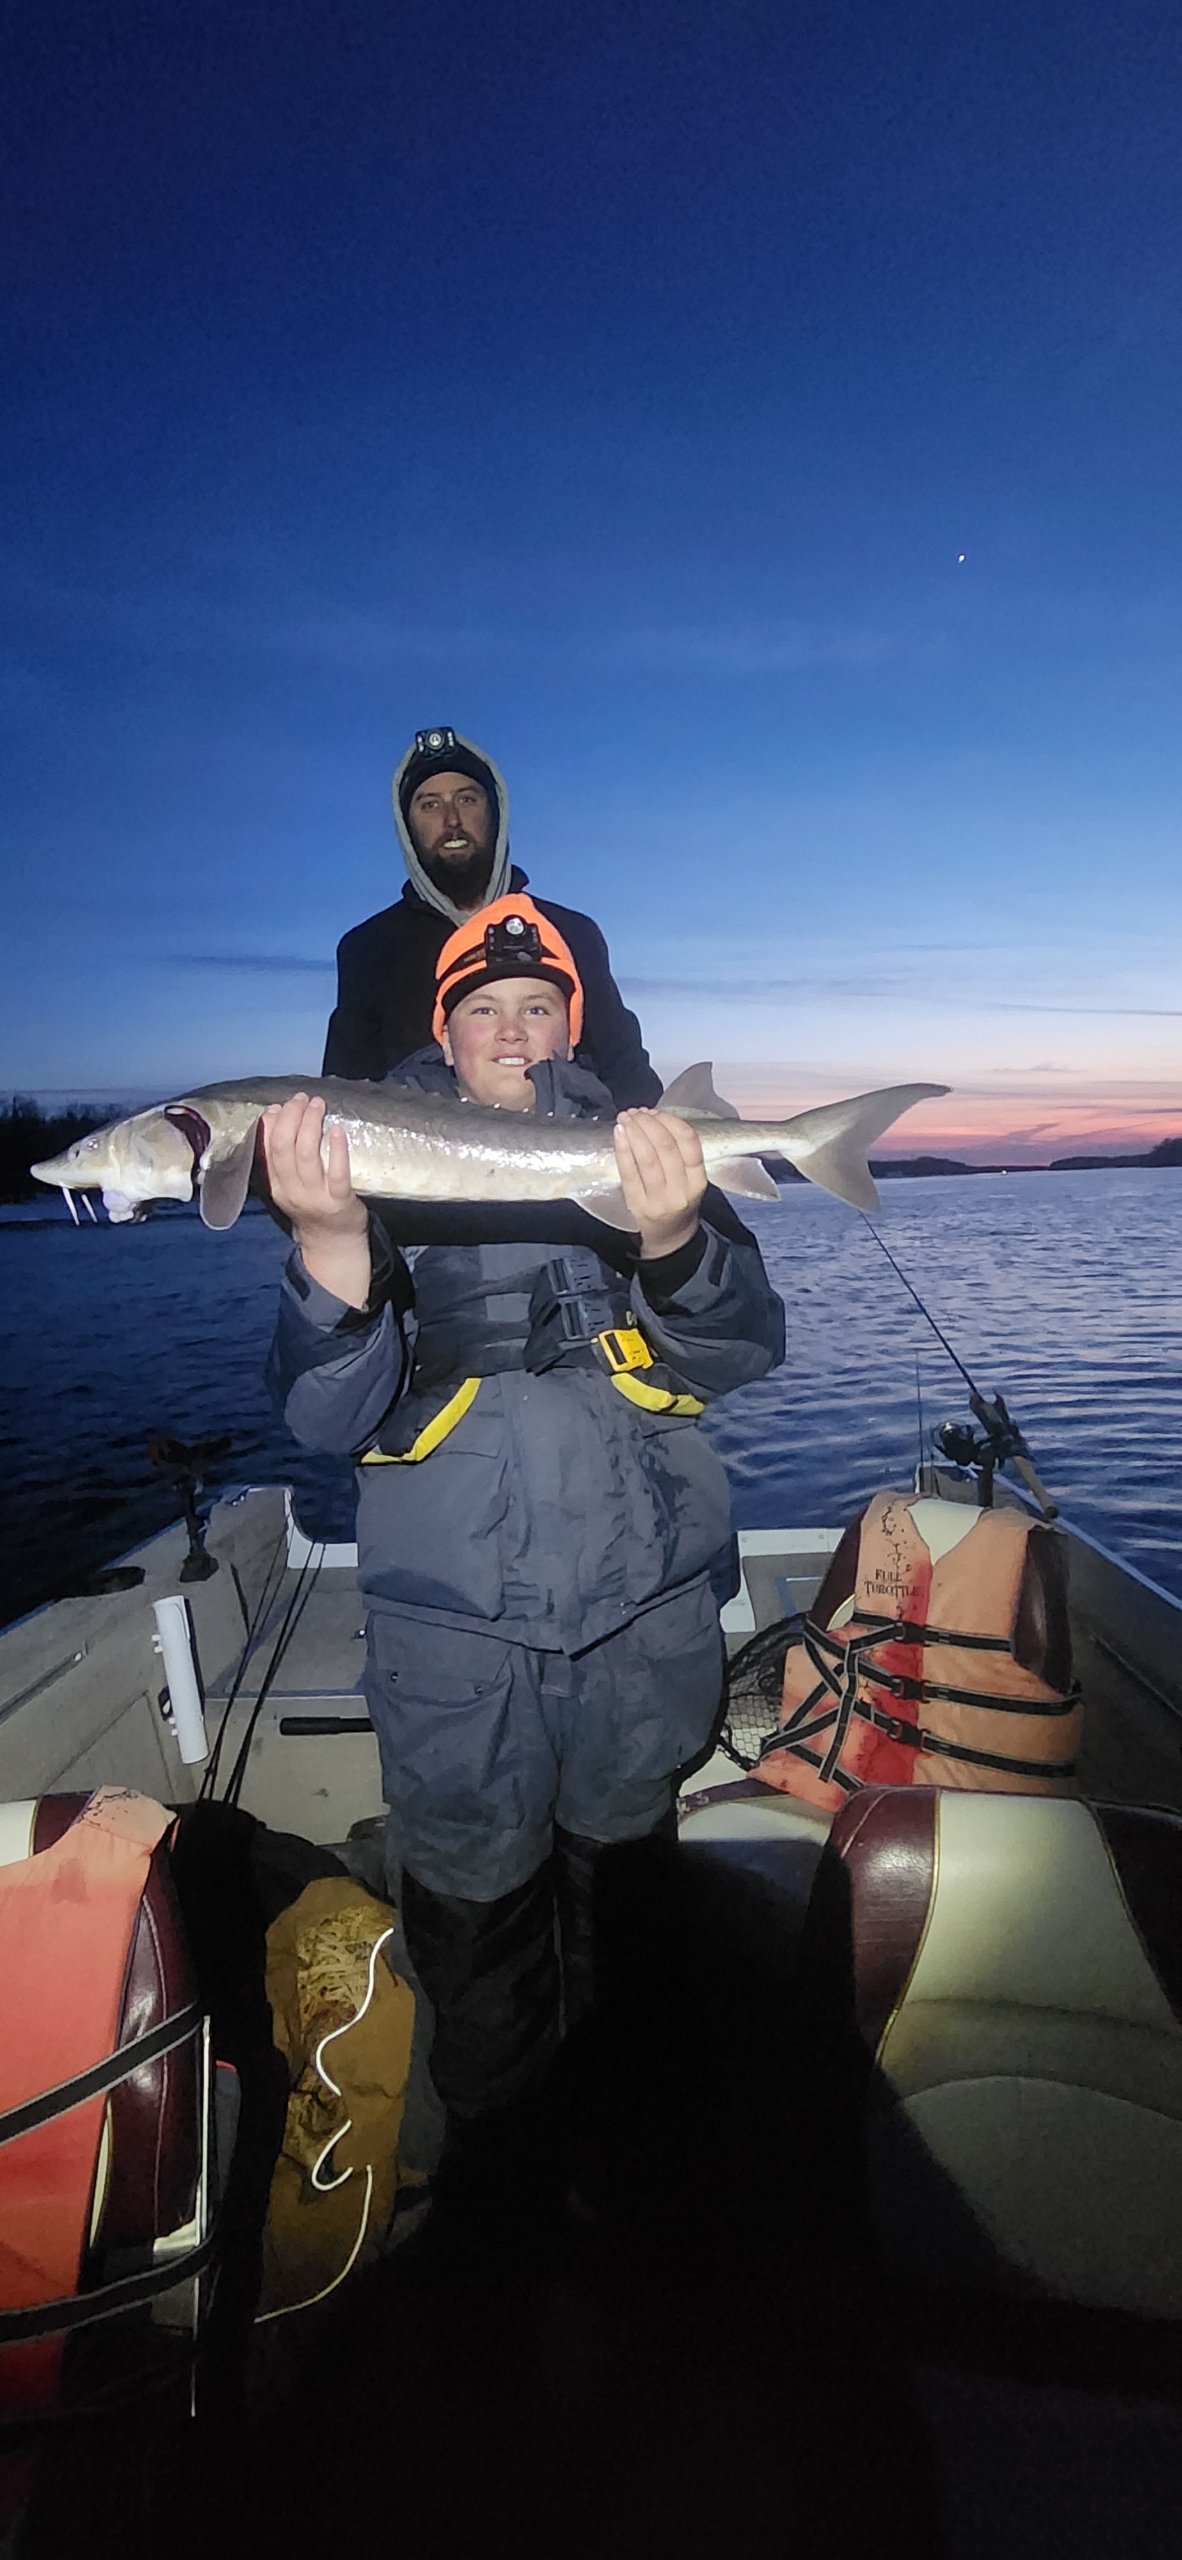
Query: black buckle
x,y
567,1312
579,1318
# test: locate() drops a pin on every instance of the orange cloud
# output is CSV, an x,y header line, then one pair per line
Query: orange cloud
x,y
1013,1117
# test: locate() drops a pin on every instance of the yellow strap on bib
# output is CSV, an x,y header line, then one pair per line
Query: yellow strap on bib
x,y
432,1433
625,1350
655,1399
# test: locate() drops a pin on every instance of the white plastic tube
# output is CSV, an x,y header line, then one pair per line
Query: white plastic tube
x,y
173,1640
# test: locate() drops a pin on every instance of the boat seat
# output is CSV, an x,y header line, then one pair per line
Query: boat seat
x,y
148,2159
1015,1966
757,1832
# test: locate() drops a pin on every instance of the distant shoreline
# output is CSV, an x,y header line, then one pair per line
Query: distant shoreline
x,y
928,1168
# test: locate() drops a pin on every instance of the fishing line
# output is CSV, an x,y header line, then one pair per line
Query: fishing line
x,y
292,1614
253,1630
1003,1442
941,1338
295,1610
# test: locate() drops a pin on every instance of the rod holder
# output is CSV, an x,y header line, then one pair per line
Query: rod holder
x,y
173,1641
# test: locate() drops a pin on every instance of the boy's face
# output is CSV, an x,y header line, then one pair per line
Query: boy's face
x,y
498,1031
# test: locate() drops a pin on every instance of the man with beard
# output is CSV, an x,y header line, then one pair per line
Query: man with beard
x,y
451,811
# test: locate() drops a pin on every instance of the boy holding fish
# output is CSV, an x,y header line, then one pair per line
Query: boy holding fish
x,y
543,1533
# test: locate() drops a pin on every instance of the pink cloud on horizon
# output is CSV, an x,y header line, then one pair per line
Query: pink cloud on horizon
x,y
1025,1122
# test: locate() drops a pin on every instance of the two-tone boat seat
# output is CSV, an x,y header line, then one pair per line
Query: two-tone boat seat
x,y
106,2087
1015,1970
759,1833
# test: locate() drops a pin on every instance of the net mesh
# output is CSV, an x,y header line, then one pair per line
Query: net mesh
x,y
755,1682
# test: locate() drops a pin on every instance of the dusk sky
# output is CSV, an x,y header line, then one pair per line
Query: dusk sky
x,y
757,425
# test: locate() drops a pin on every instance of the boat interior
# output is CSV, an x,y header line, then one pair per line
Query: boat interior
x,y
855,2213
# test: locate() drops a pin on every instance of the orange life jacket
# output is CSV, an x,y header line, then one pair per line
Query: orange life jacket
x,y
937,1654
100,2077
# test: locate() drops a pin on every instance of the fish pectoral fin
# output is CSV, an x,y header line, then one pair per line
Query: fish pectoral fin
x,y
609,1205
226,1181
693,1090
747,1176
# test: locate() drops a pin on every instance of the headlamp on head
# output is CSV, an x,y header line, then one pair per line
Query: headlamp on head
x,y
513,944
513,939
434,742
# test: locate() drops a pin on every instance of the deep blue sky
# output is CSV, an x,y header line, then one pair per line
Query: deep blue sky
x,y
622,384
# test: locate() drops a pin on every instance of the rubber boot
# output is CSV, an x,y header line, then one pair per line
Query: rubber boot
x,y
490,1971
575,1861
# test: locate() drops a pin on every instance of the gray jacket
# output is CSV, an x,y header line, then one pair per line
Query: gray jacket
x,y
555,1510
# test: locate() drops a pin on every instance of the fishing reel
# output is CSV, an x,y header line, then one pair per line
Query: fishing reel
x,y
999,1443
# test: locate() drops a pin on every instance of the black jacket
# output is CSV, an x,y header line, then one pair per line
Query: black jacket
x,y
386,996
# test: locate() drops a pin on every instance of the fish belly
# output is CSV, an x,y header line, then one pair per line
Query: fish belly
x,y
392,1166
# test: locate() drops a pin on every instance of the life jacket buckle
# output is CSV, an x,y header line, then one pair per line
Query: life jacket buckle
x,y
624,1348
577,1317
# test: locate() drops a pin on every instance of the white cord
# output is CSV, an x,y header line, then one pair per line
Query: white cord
x,y
326,2187
322,2296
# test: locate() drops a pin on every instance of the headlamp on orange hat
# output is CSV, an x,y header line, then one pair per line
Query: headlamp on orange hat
x,y
510,939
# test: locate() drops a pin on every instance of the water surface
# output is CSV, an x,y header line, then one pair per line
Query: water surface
x,y
1064,1290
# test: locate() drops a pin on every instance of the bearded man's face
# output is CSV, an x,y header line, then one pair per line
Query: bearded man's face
x,y
453,831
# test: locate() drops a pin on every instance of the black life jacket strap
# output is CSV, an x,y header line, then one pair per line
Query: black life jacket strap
x,y
463,1340
933,1744
102,2076
570,1301
841,1668
831,1658
573,1301
912,1631
78,2310
921,1690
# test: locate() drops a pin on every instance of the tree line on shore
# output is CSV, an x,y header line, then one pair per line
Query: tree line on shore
x,y
27,1134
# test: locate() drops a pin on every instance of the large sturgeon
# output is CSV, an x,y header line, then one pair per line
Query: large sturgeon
x,y
405,1145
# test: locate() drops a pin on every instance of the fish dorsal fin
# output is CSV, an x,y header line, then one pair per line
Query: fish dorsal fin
x,y
747,1176
693,1090
226,1181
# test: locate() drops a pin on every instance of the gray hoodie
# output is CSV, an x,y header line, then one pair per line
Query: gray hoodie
x,y
426,887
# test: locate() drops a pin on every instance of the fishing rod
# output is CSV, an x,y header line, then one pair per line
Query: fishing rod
x,y
1002,1440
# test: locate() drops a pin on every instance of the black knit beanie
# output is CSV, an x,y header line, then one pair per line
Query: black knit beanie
x,y
448,757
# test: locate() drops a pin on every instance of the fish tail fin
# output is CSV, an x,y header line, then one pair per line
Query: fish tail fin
x,y
830,1145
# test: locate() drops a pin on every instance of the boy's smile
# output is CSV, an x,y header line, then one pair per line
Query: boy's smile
x,y
495,1033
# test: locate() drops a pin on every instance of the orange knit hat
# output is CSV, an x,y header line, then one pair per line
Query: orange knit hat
x,y
509,939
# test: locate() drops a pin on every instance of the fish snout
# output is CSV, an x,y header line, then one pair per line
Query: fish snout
x,y
80,1167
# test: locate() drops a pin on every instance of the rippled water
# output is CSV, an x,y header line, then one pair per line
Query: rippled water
x,y
1064,1290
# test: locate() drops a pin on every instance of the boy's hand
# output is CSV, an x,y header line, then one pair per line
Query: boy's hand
x,y
331,1223
662,1177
